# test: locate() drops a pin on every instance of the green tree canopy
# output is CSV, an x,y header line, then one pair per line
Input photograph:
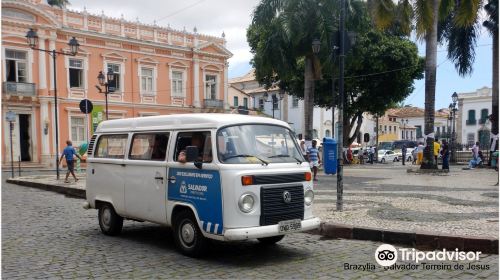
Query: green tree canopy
x,y
380,67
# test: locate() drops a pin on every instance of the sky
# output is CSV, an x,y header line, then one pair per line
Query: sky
x,y
212,17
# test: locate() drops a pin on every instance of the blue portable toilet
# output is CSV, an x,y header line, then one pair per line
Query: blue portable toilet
x,y
330,155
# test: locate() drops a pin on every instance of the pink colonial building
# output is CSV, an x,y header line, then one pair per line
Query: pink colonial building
x,y
157,70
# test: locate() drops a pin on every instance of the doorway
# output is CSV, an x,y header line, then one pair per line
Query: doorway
x,y
25,137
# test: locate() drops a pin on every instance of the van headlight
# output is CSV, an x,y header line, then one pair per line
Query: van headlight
x,y
308,197
246,203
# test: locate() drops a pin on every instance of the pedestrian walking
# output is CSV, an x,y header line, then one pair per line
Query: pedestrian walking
x,y
437,147
420,153
403,152
370,154
314,159
475,151
69,153
445,153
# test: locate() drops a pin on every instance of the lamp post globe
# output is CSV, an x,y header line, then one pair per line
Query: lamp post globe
x,y
101,78
454,97
73,45
32,38
316,45
110,75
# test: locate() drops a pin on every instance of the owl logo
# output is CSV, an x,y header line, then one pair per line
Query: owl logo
x,y
183,188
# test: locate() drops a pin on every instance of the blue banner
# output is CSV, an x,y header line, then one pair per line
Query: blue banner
x,y
202,189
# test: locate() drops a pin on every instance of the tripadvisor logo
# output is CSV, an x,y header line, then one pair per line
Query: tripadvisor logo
x,y
387,255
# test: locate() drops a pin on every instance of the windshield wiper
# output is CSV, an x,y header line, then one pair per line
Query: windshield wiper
x,y
278,156
243,155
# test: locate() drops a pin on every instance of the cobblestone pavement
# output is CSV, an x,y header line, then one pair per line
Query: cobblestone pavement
x,y
48,235
462,202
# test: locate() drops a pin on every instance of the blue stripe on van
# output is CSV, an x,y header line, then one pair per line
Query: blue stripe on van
x,y
202,189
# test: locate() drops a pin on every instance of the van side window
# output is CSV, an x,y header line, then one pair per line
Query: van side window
x,y
149,146
201,139
111,146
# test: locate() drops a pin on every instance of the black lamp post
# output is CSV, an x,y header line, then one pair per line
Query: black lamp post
x,y
448,125
404,122
274,98
32,39
110,76
453,110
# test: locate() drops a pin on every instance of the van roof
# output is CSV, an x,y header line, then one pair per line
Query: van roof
x,y
182,121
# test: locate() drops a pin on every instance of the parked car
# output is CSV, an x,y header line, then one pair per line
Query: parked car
x,y
386,156
408,154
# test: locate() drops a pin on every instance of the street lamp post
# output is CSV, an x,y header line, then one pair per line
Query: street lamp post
x,y
453,109
274,98
11,117
448,127
110,76
32,39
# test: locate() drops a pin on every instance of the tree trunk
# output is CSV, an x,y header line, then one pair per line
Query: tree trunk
x,y
308,98
430,88
494,109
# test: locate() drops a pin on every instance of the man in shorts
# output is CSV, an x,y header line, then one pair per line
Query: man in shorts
x,y
314,159
69,152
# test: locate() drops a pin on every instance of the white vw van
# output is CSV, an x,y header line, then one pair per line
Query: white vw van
x,y
217,176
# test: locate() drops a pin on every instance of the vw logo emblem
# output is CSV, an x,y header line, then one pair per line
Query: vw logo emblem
x,y
287,197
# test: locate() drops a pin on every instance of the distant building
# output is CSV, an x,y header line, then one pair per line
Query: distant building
x,y
473,124
289,108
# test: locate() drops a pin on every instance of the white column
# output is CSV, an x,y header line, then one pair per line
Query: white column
x,y
85,19
52,46
196,75
169,38
42,77
226,103
103,23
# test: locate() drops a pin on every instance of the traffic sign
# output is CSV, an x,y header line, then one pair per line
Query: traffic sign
x,y
86,106
10,116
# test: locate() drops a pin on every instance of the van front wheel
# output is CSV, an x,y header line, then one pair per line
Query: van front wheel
x,y
187,235
270,240
110,222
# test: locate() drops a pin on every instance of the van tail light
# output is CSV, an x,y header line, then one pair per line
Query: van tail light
x,y
247,180
307,176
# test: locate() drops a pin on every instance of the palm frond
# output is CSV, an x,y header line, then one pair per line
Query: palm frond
x,y
404,16
466,12
461,47
423,17
382,12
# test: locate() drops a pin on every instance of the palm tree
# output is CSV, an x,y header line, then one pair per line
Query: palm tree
x,y
289,28
457,21
492,25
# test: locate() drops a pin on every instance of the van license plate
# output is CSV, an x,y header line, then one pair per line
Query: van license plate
x,y
289,226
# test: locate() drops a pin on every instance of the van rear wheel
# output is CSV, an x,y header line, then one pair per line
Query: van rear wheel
x,y
110,222
271,240
187,235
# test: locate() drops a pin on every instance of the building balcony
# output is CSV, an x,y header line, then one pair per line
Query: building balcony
x,y
470,122
19,89
482,121
213,103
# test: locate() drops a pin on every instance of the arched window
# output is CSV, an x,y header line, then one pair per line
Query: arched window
x,y
327,133
315,134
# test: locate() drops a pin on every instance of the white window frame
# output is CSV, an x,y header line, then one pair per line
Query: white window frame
x,y
153,79
85,67
29,62
152,91
121,90
217,85
82,139
183,82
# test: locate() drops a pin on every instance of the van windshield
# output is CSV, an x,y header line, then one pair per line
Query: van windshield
x,y
255,143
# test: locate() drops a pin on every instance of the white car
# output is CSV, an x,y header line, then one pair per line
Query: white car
x,y
386,156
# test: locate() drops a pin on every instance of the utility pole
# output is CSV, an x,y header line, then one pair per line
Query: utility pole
x,y
340,179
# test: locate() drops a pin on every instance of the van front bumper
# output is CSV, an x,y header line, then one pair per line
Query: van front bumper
x,y
266,231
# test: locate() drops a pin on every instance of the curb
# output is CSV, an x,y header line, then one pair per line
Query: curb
x,y
71,192
420,240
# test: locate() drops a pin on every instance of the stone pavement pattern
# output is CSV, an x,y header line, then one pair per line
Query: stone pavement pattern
x,y
462,202
48,235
